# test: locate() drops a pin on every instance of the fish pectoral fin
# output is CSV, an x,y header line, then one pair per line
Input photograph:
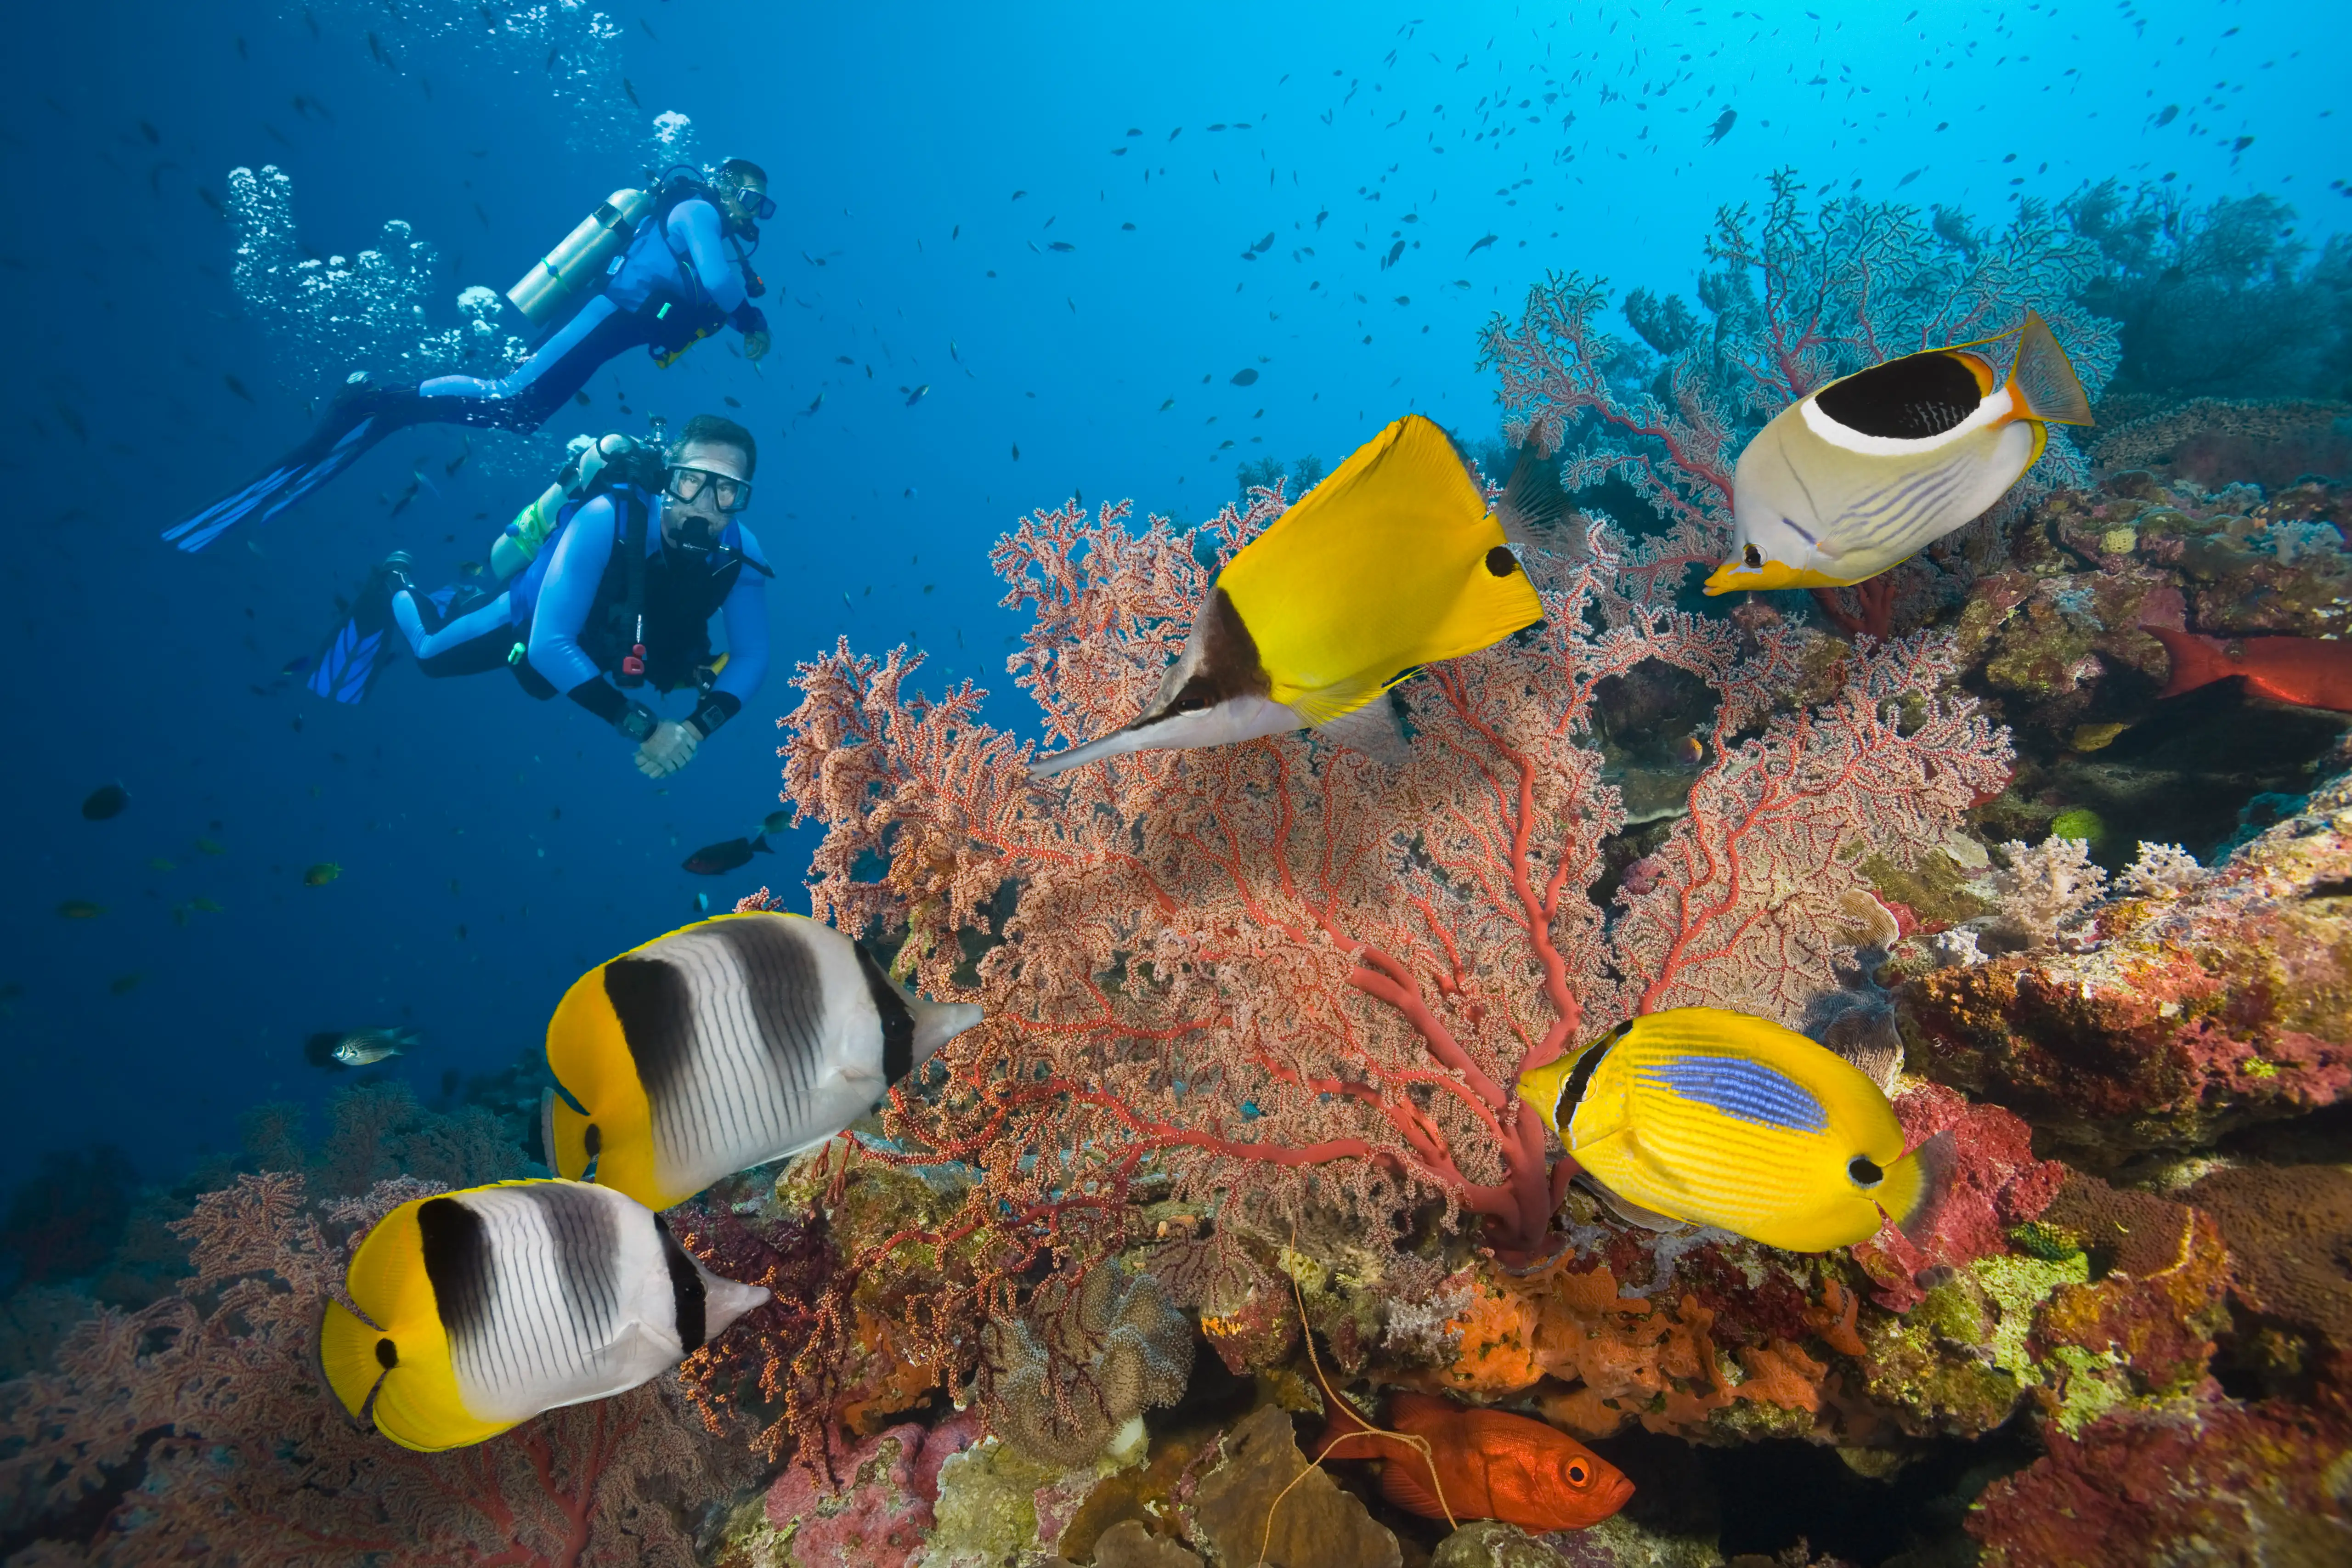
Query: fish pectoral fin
x,y
1318,708
1532,503
1407,1482
1376,730
1626,1209
2042,379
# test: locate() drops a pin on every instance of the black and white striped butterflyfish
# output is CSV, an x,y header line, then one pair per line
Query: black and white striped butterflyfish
x,y
1869,470
724,1044
486,1307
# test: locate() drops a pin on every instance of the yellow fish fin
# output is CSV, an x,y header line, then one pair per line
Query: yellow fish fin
x,y
404,1359
1393,562
1738,577
2043,381
588,1052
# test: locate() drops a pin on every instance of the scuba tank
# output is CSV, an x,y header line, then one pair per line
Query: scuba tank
x,y
556,280
585,459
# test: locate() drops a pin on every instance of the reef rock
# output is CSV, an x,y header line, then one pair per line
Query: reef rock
x,y
2198,1480
880,1513
1317,1524
2176,1016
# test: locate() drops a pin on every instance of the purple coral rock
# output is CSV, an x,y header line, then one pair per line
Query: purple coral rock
x,y
880,1514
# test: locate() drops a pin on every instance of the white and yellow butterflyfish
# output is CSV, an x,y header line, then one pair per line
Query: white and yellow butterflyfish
x,y
724,1044
486,1307
1717,1117
1870,470
1392,563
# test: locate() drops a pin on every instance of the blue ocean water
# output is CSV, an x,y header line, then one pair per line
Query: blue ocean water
x,y
928,162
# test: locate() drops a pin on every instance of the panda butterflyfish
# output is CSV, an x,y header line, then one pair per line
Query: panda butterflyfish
x,y
1717,1118
724,1044
1392,563
486,1307
1870,470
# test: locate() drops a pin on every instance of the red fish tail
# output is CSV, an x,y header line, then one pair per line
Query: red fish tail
x,y
2196,661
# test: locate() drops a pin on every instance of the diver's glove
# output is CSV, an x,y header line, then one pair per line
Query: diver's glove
x,y
753,324
669,748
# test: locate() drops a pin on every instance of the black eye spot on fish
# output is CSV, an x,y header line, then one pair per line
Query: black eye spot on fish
x,y
1579,1472
1753,556
387,1354
1865,1171
593,1137
1907,399
1501,561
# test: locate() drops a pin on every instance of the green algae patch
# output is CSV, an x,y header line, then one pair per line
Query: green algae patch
x,y
2018,1286
2089,1384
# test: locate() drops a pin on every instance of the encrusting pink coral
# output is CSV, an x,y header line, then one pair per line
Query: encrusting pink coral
x,y
880,1515
204,1419
1995,1183
1286,979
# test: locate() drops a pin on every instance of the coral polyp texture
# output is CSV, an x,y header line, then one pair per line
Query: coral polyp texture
x,y
2178,1016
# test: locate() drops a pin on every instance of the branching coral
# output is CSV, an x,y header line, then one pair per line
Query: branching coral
x,y
1793,300
201,1424
1277,982
2044,886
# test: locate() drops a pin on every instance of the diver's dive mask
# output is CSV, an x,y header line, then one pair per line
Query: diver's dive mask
x,y
729,495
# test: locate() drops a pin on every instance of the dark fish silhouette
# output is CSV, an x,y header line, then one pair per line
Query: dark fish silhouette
x,y
718,859
1242,377
1723,124
1482,245
107,800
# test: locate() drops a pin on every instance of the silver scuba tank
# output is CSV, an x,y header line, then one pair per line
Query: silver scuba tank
x,y
557,280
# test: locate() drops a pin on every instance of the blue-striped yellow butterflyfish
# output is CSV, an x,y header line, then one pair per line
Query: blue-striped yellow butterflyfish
x,y
724,1044
486,1307
1391,562
1871,468
1721,1118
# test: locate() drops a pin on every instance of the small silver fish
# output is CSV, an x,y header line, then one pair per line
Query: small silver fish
x,y
358,1047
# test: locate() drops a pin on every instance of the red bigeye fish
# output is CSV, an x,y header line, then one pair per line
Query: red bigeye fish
x,y
1489,1463
2302,670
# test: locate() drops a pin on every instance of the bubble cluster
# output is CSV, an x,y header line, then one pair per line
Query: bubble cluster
x,y
327,316
565,49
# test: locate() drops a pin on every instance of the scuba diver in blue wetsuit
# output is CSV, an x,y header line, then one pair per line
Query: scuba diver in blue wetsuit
x,y
618,569
662,266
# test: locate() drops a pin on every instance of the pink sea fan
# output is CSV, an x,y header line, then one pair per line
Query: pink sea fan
x,y
1281,981
201,1427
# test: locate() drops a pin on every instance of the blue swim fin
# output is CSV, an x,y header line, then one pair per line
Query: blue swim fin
x,y
362,646
359,417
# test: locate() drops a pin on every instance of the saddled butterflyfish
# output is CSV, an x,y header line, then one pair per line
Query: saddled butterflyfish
x,y
1717,1118
486,1307
1870,470
1392,563
724,1044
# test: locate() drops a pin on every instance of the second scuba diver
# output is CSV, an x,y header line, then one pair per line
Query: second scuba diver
x,y
662,266
617,571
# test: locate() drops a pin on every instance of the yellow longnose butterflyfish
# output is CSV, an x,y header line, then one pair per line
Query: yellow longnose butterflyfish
x,y
1392,563
1869,470
1703,1115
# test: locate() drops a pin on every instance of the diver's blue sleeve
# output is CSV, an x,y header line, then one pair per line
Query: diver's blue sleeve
x,y
697,225
566,594
746,611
